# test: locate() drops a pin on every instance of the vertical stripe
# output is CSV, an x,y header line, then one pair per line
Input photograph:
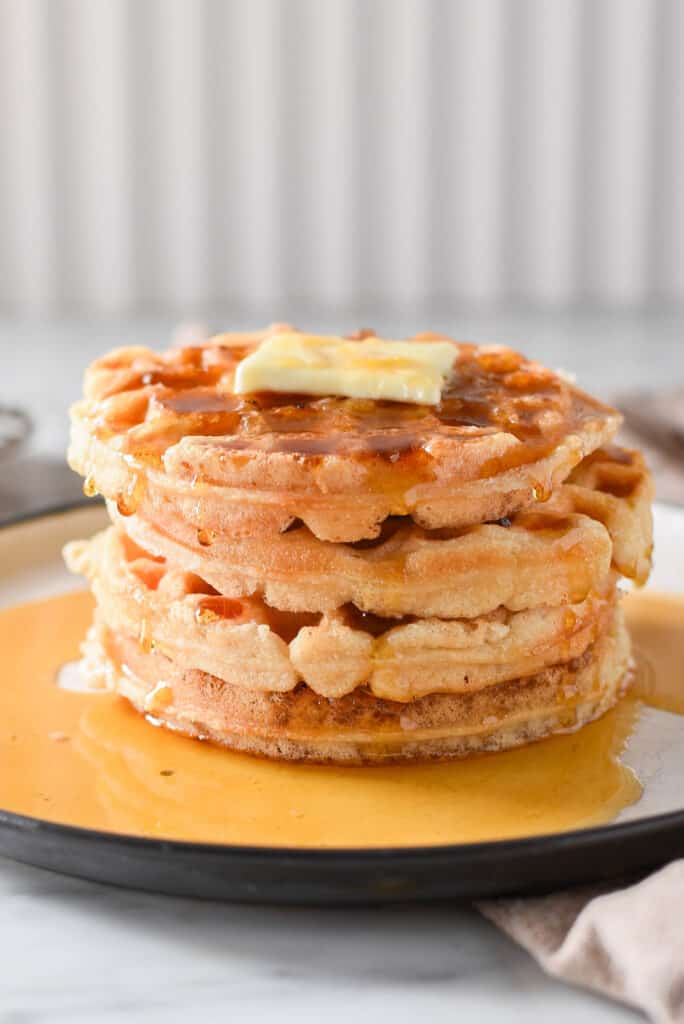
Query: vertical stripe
x,y
469,131
319,90
177,127
394,39
273,155
668,117
619,178
28,255
93,184
543,153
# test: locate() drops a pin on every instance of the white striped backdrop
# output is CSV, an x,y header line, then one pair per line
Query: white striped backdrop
x,y
189,154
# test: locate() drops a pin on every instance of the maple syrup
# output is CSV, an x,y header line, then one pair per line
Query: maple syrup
x,y
89,759
488,392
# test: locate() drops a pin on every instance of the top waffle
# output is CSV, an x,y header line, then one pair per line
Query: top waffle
x,y
159,429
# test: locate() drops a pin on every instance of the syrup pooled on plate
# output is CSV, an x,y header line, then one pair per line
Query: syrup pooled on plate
x,y
89,759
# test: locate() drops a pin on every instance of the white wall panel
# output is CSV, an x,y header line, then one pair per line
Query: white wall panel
x,y
622,115
543,141
28,196
186,154
468,150
89,137
668,155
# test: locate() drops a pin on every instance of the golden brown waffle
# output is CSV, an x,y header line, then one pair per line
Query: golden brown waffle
x,y
549,557
248,644
360,728
613,486
349,580
158,432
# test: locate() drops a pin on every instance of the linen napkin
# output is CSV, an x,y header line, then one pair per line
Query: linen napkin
x,y
655,423
627,943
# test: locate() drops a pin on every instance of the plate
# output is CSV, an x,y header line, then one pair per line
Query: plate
x,y
646,834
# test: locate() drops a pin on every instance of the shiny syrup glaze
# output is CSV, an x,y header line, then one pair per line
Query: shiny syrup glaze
x,y
475,401
188,393
90,760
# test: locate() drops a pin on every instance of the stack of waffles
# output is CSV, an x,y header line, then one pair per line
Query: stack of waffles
x,y
354,580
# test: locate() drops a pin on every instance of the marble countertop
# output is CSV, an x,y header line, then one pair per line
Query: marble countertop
x,y
77,951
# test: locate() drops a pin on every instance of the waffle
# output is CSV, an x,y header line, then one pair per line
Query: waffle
x,y
247,643
360,728
350,580
549,557
165,431
614,487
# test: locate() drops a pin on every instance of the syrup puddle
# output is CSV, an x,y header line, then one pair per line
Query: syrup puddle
x,y
86,758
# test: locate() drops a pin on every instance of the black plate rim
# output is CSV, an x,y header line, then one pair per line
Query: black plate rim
x,y
545,845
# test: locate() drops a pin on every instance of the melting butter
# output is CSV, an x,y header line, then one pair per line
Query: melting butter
x,y
399,371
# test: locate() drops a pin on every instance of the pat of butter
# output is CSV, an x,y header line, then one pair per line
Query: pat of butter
x,y
399,371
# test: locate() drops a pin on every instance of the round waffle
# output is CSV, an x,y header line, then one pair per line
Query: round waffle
x,y
247,644
359,727
535,559
158,431
547,558
614,487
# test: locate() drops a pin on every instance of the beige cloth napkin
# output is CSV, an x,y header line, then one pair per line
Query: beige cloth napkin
x,y
655,423
627,943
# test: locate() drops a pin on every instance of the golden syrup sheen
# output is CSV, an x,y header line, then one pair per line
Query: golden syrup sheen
x,y
88,759
188,392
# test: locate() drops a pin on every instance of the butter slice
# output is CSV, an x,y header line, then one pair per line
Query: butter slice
x,y
398,371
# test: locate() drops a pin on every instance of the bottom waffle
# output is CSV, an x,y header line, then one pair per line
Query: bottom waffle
x,y
359,727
